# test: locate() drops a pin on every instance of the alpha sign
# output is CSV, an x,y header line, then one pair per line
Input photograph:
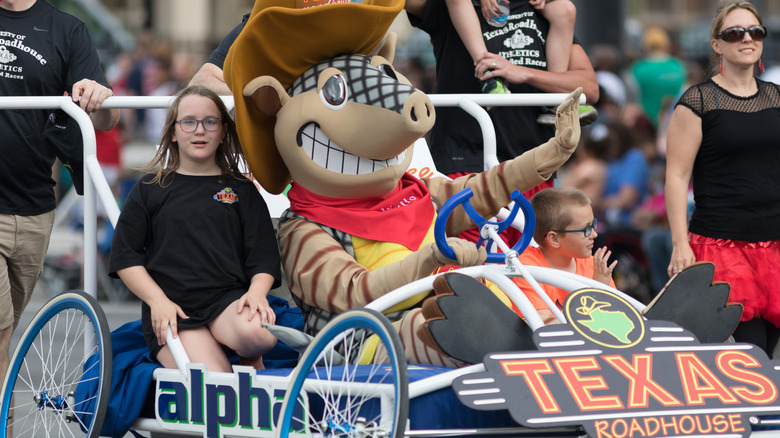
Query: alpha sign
x,y
242,403
620,376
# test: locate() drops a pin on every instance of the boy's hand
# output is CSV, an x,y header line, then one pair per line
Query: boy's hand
x,y
537,4
603,271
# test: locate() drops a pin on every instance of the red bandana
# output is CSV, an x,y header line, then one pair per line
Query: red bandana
x,y
402,216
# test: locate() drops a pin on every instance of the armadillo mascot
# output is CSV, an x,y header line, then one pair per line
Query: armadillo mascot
x,y
319,103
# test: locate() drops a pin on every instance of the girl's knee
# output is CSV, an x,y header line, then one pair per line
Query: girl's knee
x,y
254,341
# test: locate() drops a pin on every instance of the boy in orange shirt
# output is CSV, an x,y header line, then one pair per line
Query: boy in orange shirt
x,y
565,231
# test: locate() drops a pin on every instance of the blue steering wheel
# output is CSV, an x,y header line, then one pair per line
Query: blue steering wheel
x,y
463,197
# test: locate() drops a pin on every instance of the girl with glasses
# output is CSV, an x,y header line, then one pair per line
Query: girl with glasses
x,y
195,241
723,135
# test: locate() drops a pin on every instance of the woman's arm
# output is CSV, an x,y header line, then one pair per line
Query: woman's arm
x,y
683,141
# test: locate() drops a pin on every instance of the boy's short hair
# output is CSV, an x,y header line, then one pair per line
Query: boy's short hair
x,y
552,207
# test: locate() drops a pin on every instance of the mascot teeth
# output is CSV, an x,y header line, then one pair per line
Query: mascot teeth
x,y
331,157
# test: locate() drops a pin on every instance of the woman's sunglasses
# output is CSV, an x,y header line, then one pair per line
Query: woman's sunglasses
x,y
736,33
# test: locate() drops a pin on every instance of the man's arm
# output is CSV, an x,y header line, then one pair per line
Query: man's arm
x,y
210,74
90,95
415,7
211,77
580,74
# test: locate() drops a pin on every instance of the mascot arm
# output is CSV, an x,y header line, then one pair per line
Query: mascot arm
x,y
492,188
323,275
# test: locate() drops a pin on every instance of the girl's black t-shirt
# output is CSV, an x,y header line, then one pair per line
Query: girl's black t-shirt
x,y
201,238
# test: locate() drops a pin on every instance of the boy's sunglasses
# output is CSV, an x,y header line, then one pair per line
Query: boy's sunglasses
x,y
736,33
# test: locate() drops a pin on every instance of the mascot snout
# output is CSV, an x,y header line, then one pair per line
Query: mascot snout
x,y
418,113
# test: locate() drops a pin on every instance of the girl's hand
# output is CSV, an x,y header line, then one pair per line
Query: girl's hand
x,y
164,313
537,4
257,304
603,271
490,8
682,256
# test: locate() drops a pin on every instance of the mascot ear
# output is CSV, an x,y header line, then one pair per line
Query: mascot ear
x,y
267,93
387,47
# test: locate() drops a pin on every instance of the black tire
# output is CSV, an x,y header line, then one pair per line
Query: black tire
x,y
67,345
337,403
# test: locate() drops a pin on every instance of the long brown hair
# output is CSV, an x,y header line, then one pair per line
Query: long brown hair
x,y
229,156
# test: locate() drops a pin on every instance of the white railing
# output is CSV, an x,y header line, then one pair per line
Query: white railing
x,y
96,187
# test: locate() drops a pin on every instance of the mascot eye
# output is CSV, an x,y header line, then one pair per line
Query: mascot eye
x,y
388,70
334,92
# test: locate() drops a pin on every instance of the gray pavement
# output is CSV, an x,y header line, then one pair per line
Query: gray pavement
x,y
117,314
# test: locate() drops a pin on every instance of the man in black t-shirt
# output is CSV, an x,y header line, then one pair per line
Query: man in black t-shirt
x,y
43,52
517,54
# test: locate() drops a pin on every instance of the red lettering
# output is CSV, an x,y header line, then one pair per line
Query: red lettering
x,y
411,171
601,429
702,429
635,429
719,423
582,386
729,363
672,424
736,423
654,428
687,430
699,382
623,425
532,371
641,383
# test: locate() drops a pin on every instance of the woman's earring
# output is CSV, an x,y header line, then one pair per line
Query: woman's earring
x,y
760,65
721,66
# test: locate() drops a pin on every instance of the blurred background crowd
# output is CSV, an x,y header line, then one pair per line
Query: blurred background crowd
x,y
645,53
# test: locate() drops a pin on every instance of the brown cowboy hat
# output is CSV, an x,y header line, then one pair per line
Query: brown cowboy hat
x,y
283,40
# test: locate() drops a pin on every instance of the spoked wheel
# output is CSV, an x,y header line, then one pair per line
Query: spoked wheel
x,y
351,381
59,378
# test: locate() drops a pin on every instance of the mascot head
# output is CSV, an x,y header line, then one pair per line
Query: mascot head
x,y
318,101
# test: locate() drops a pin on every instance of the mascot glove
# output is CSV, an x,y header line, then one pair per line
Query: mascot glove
x,y
549,156
466,253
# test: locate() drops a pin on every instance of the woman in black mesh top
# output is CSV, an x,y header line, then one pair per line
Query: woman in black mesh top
x,y
724,133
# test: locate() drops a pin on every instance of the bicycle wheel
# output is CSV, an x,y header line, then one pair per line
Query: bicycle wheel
x,y
59,377
332,394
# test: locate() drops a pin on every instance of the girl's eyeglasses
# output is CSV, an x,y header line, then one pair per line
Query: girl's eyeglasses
x,y
191,125
736,33
587,230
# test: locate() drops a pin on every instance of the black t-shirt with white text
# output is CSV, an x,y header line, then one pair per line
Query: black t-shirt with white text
x,y
456,139
43,52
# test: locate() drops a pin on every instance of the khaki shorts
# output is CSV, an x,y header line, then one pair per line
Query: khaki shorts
x,y
24,241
